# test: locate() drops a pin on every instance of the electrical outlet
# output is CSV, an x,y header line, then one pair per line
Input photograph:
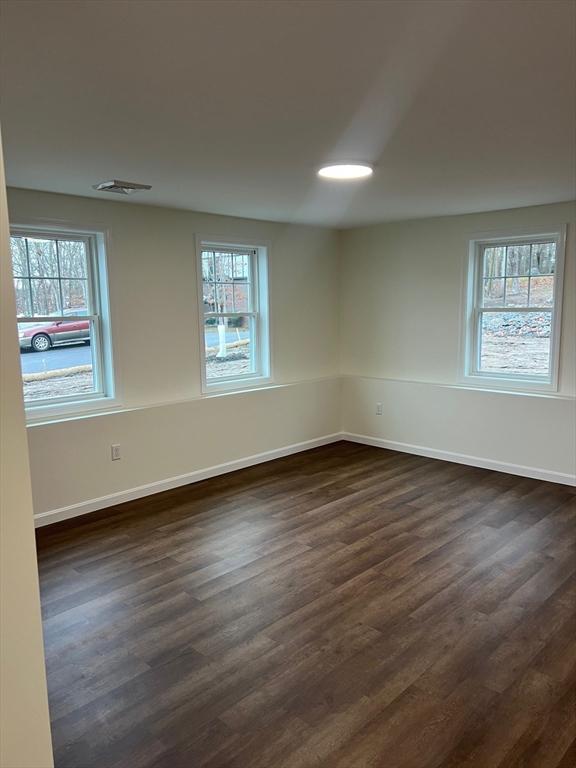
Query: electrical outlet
x,y
115,452
378,409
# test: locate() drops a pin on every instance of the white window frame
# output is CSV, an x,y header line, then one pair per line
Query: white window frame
x,y
470,372
104,396
260,315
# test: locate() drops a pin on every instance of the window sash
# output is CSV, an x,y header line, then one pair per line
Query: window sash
x,y
98,379
251,281
476,369
479,276
255,357
93,298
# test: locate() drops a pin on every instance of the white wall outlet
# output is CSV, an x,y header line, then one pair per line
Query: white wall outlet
x,y
378,409
115,452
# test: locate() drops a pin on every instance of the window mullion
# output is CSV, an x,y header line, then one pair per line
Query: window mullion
x,y
530,272
29,281
61,294
505,274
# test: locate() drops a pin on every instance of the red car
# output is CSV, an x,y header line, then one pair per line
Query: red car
x,y
43,336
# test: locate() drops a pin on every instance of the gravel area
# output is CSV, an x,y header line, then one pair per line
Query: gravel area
x,y
521,354
233,365
535,325
59,386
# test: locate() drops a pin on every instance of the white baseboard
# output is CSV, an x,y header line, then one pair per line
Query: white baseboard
x,y
92,505
461,458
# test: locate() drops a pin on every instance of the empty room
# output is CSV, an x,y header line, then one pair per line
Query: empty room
x,y
288,384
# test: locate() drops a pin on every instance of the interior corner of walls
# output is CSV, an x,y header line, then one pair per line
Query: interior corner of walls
x,y
490,429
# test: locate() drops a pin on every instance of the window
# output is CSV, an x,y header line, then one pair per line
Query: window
x,y
63,335
233,315
513,310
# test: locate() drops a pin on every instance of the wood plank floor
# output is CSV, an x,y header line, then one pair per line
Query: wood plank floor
x,y
344,607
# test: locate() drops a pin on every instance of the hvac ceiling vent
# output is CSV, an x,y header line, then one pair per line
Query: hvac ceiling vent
x,y
120,187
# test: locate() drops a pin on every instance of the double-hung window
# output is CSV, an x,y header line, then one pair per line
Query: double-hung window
x,y
63,333
513,311
233,315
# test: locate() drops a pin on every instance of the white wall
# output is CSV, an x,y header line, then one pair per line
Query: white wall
x,y
152,283
401,319
357,303
24,725
168,429
169,445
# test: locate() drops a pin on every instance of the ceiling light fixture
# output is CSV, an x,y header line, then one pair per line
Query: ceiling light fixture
x,y
120,187
346,171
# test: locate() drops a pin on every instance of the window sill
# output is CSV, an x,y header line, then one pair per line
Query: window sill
x,y
244,385
514,386
46,414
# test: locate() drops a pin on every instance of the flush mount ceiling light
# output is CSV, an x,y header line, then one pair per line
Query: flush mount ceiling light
x,y
346,171
120,187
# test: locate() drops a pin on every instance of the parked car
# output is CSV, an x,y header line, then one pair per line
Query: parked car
x,y
43,336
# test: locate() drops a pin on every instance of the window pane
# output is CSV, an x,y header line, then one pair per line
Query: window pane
x,y
543,259
516,291
223,266
56,359
45,297
515,343
22,292
72,255
42,256
229,346
518,260
241,266
224,297
75,295
207,266
541,291
242,297
19,257
493,292
494,260
209,296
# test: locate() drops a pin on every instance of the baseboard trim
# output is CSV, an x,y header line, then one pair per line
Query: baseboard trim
x,y
460,458
111,500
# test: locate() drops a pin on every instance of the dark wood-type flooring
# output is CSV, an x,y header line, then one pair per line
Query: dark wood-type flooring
x,y
344,607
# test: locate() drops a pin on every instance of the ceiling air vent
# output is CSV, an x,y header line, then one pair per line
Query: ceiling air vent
x,y
120,187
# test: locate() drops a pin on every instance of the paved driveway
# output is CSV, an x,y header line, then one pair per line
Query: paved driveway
x,y
54,359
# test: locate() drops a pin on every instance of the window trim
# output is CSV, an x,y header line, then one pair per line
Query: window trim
x,y
106,397
469,375
260,312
